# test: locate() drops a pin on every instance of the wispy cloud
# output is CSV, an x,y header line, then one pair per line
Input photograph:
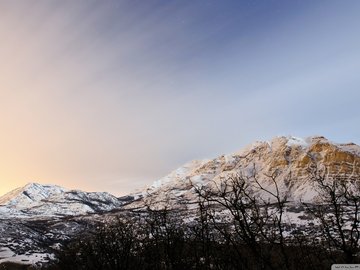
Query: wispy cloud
x,y
94,94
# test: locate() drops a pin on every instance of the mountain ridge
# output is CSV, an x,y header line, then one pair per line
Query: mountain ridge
x,y
292,158
36,200
32,192
288,154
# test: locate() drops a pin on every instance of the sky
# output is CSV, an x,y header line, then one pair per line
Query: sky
x,y
113,95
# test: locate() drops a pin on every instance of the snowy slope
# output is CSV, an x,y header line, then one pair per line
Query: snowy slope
x,y
30,193
36,200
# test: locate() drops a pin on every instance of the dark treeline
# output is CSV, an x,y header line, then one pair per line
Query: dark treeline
x,y
232,227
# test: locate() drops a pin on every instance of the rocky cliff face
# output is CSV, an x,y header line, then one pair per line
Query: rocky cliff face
x,y
289,158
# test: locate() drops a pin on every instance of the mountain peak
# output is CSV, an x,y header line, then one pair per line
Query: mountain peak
x,y
29,193
291,157
36,199
310,143
293,140
45,189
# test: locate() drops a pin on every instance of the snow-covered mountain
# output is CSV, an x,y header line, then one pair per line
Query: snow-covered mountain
x,y
36,219
37,200
290,158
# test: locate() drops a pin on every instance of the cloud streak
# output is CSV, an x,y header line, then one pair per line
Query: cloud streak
x,y
113,95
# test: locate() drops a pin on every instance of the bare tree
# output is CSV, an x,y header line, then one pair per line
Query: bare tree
x,y
337,211
112,246
248,221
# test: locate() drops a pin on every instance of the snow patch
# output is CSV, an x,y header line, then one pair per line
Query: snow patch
x,y
7,255
296,141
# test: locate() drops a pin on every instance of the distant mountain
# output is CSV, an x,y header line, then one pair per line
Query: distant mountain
x,y
36,219
290,158
37,200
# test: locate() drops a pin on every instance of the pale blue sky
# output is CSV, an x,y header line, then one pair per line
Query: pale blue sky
x,y
112,95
